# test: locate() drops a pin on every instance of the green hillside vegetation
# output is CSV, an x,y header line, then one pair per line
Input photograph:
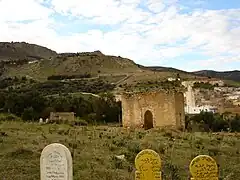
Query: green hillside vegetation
x,y
231,83
31,100
92,101
204,85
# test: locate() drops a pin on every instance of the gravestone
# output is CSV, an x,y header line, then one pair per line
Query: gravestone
x,y
56,163
203,167
148,165
40,120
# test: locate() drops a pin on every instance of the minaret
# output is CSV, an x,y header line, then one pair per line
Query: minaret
x,y
190,98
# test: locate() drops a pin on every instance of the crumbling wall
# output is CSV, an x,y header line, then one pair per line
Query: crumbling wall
x,y
179,110
61,116
167,108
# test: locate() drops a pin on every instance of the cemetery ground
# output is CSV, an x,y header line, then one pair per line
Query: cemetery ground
x,y
97,150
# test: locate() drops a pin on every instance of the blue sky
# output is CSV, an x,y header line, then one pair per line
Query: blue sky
x,y
186,34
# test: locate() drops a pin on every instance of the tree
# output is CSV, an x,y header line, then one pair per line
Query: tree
x,y
208,121
107,109
2,99
235,124
178,76
46,112
28,114
219,124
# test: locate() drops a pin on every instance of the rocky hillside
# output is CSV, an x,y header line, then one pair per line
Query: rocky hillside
x,y
21,51
23,59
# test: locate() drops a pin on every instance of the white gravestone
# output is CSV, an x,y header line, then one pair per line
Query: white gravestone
x,y
47,120
56,163
41,120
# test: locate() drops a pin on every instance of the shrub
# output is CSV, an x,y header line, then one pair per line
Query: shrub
x,y
8,117
203,85
28,114
80,122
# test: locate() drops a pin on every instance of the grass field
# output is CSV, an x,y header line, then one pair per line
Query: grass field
x,y
232,83
94,149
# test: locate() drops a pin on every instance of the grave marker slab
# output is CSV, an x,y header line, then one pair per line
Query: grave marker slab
x,y
148,165
56,163
203,167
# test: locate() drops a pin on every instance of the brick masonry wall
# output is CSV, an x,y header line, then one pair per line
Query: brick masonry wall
x,y
167,109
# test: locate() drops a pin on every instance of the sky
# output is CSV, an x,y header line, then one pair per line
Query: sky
x,y
186,34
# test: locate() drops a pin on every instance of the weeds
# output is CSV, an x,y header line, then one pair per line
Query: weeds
x,y
171,172
95,149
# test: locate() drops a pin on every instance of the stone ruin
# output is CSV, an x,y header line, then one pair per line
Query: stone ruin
x,y
153,109
62,117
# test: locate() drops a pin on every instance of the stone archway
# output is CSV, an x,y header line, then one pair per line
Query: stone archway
x,y
148,120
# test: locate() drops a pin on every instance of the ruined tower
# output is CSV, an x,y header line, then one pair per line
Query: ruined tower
x,y
153,109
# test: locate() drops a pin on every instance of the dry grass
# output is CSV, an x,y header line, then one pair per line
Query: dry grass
x,y
232,83
93,150
111,66
95,65
147,75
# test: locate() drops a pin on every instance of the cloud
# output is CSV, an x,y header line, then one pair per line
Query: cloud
x,y
12,10
150,32
221,63
156,6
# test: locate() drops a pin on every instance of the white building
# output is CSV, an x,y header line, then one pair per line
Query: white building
x,y
198,109
173,79
191,107
232,97
190,97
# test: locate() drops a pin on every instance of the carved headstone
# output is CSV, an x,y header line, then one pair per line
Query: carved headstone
x,y
203,167
56,163
148,165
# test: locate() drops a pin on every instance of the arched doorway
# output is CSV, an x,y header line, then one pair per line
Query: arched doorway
x,y
148,120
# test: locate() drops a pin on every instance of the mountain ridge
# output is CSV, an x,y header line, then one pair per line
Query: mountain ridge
x,y
233,75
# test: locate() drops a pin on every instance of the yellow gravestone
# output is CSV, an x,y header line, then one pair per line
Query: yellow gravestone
x,y
203,167
148,165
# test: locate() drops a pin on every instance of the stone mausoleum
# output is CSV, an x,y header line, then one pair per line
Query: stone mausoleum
x,y
153,109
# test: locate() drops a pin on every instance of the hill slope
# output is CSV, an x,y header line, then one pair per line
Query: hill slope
x,y
168,69
226,75
17,51
23,59
94,63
